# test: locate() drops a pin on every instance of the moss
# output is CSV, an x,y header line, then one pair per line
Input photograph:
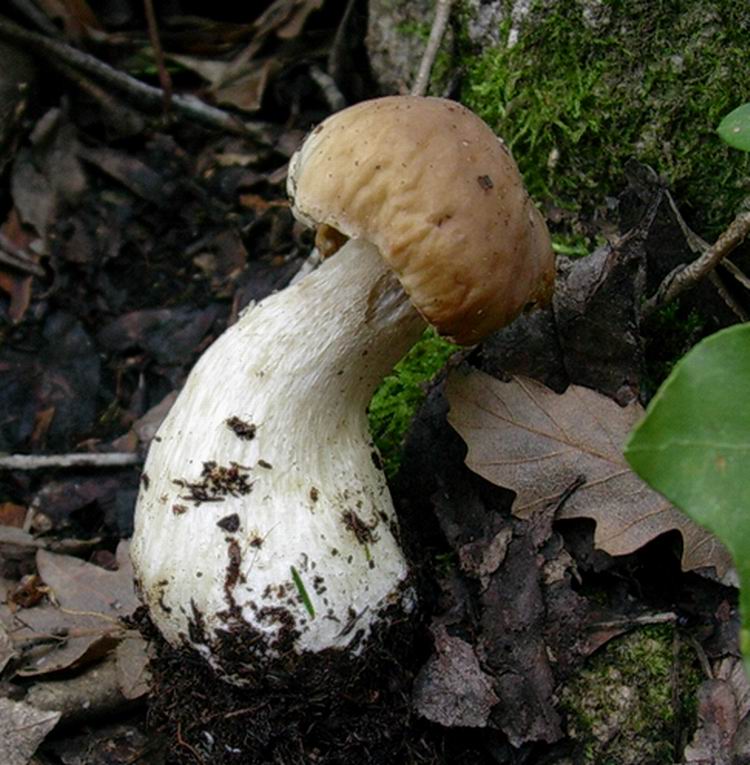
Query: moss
x,y
621,709
575,100
394,403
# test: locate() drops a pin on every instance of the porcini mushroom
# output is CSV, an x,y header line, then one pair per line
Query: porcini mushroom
x,y
264,525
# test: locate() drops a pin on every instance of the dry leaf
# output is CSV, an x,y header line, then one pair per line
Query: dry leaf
x,y
451,689
245,91
549,448
18,289
82,587
721,737
133,676
12,514
84,625
7,651
22,729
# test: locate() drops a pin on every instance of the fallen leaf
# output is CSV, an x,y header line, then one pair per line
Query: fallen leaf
x,y
22,729
170,334
18,289
129,171
7,652
246,90
504,619
12,514
451,689
133,675
567,449
64,374
82,587
211,70
717,725
84,696
84,622
145,427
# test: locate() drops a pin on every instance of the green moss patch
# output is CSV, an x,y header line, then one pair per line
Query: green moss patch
x,y
634,701
580,94
396,400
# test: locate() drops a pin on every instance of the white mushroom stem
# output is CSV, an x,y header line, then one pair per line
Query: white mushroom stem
x,y
264,515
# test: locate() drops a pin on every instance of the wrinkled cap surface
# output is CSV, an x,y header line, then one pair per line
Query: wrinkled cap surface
x,y
427,182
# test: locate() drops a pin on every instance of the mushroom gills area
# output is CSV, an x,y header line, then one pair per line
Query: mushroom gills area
x,y
264,518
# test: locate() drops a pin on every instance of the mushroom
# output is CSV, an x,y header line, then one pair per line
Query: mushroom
x,y
264,527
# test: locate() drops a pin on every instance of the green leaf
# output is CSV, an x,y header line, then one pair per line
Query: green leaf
x,y
300,585
734,129
693,446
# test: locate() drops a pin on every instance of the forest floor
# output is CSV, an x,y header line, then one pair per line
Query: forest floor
x,y
134,228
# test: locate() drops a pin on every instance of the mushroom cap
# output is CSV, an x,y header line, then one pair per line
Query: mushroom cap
x,y
432,187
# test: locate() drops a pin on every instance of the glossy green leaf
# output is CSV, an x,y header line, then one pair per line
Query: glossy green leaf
x,y
734,129
693,446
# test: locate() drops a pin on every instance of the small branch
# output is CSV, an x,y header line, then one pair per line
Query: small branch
x,y
126,119
40,461
36,17
727,296
667,617
439,25
687,276
20,264
153,34
333,96
193,751
736,273
147,96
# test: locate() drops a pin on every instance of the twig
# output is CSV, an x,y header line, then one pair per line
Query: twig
x,y
686,276
668,617
181,742
40,461
18,258
125,118
439,24
727,296
703,659
20,264
333,96
147,96
36,17
736,273
153,34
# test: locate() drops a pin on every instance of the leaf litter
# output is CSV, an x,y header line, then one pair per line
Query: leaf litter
x,y
584,544
79,622
138,226
567,448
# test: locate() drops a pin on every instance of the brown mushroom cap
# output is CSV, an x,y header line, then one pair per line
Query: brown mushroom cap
x,y
427,182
